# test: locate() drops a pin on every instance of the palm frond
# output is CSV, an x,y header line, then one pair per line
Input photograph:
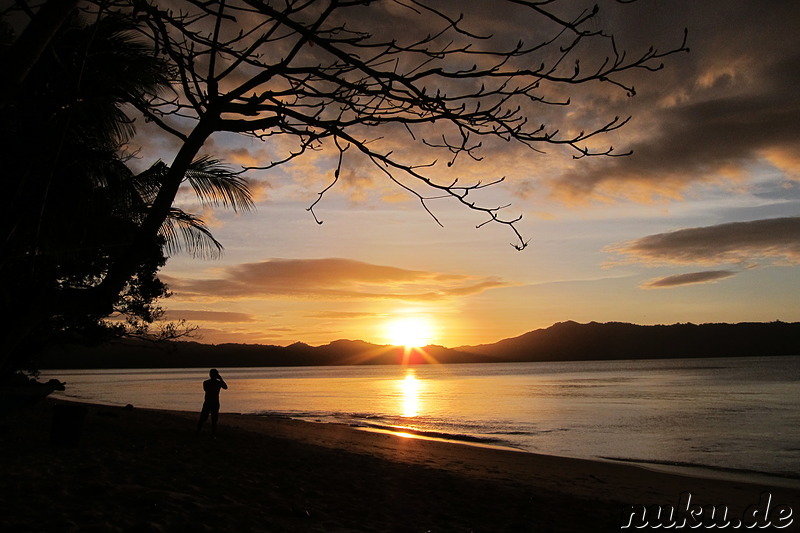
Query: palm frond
x,y
186,232
216,184
148,183
129,60
110,68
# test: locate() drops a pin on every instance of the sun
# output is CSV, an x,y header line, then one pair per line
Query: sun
x,y
412,332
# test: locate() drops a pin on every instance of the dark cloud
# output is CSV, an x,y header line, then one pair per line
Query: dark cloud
x,y
331,279
710,114
701,142
690,278
776,239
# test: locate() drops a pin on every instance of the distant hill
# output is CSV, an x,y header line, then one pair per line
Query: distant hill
x,y
571,341
564,341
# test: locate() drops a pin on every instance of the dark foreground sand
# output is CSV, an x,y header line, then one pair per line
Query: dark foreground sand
x,y
140,470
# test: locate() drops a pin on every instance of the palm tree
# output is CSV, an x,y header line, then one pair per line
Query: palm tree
x,y
74,202
215,185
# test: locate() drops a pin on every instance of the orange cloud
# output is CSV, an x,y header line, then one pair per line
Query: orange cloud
x,y
343,315
331,279
227,335
244,157
208,316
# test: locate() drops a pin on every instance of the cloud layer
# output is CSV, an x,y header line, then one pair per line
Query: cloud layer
x,y
691,278
709,115
775,240
333,279
209,316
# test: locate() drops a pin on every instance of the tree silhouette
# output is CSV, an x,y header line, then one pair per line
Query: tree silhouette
x,y
356,77
324,71
73,200
363,78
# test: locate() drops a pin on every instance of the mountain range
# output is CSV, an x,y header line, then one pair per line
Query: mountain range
x,y
564,341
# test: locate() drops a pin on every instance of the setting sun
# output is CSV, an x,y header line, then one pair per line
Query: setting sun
x,y
409,332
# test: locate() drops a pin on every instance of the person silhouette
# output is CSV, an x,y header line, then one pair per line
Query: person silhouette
x,y
211,386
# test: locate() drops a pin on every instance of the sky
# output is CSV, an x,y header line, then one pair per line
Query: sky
x,y
700,224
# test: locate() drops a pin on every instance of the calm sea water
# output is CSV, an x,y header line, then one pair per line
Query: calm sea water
x,y
738,414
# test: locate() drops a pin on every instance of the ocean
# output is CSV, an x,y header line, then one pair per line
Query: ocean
x,y
732,416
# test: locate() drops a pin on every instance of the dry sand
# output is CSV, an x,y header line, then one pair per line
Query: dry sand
x,y
141,470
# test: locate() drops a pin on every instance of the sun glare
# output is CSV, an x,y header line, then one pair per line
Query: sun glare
x,y
410,332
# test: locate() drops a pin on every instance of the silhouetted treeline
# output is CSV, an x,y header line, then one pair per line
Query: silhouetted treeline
x,y
565,341
142,354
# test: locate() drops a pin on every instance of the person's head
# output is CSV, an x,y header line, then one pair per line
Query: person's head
x,y
213,373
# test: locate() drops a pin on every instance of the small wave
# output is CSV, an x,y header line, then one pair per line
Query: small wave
x,y
432,434
500,432
795,476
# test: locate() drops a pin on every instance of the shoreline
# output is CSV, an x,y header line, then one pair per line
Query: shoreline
x,y
668,467
148,470
693,470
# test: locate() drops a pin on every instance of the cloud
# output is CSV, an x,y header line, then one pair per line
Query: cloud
x,y
704,118
711,114
244,157
775,239
262,336
343,315
331,279
700,142
691,278
208,316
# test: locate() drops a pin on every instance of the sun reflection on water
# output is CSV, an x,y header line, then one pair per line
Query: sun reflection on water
x,y
410,389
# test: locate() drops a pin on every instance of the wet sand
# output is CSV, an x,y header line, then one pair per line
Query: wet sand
x,y
144,470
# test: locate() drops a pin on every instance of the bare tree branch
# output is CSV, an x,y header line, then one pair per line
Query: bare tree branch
x,y
327,71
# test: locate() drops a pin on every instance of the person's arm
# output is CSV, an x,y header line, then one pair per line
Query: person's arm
x,y
222,382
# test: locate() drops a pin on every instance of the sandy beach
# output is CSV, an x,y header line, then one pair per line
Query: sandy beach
x,y
143,470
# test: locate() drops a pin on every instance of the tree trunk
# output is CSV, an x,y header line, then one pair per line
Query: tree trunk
x,y
103,297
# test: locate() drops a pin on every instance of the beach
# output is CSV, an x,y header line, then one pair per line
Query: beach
x,y
146,470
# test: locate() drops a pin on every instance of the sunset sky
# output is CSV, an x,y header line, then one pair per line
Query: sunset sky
x,y
700,224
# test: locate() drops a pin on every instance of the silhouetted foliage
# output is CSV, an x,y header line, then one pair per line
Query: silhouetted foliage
x,y
73,201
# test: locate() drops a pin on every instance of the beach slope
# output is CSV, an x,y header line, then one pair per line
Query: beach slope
x,y
141,470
